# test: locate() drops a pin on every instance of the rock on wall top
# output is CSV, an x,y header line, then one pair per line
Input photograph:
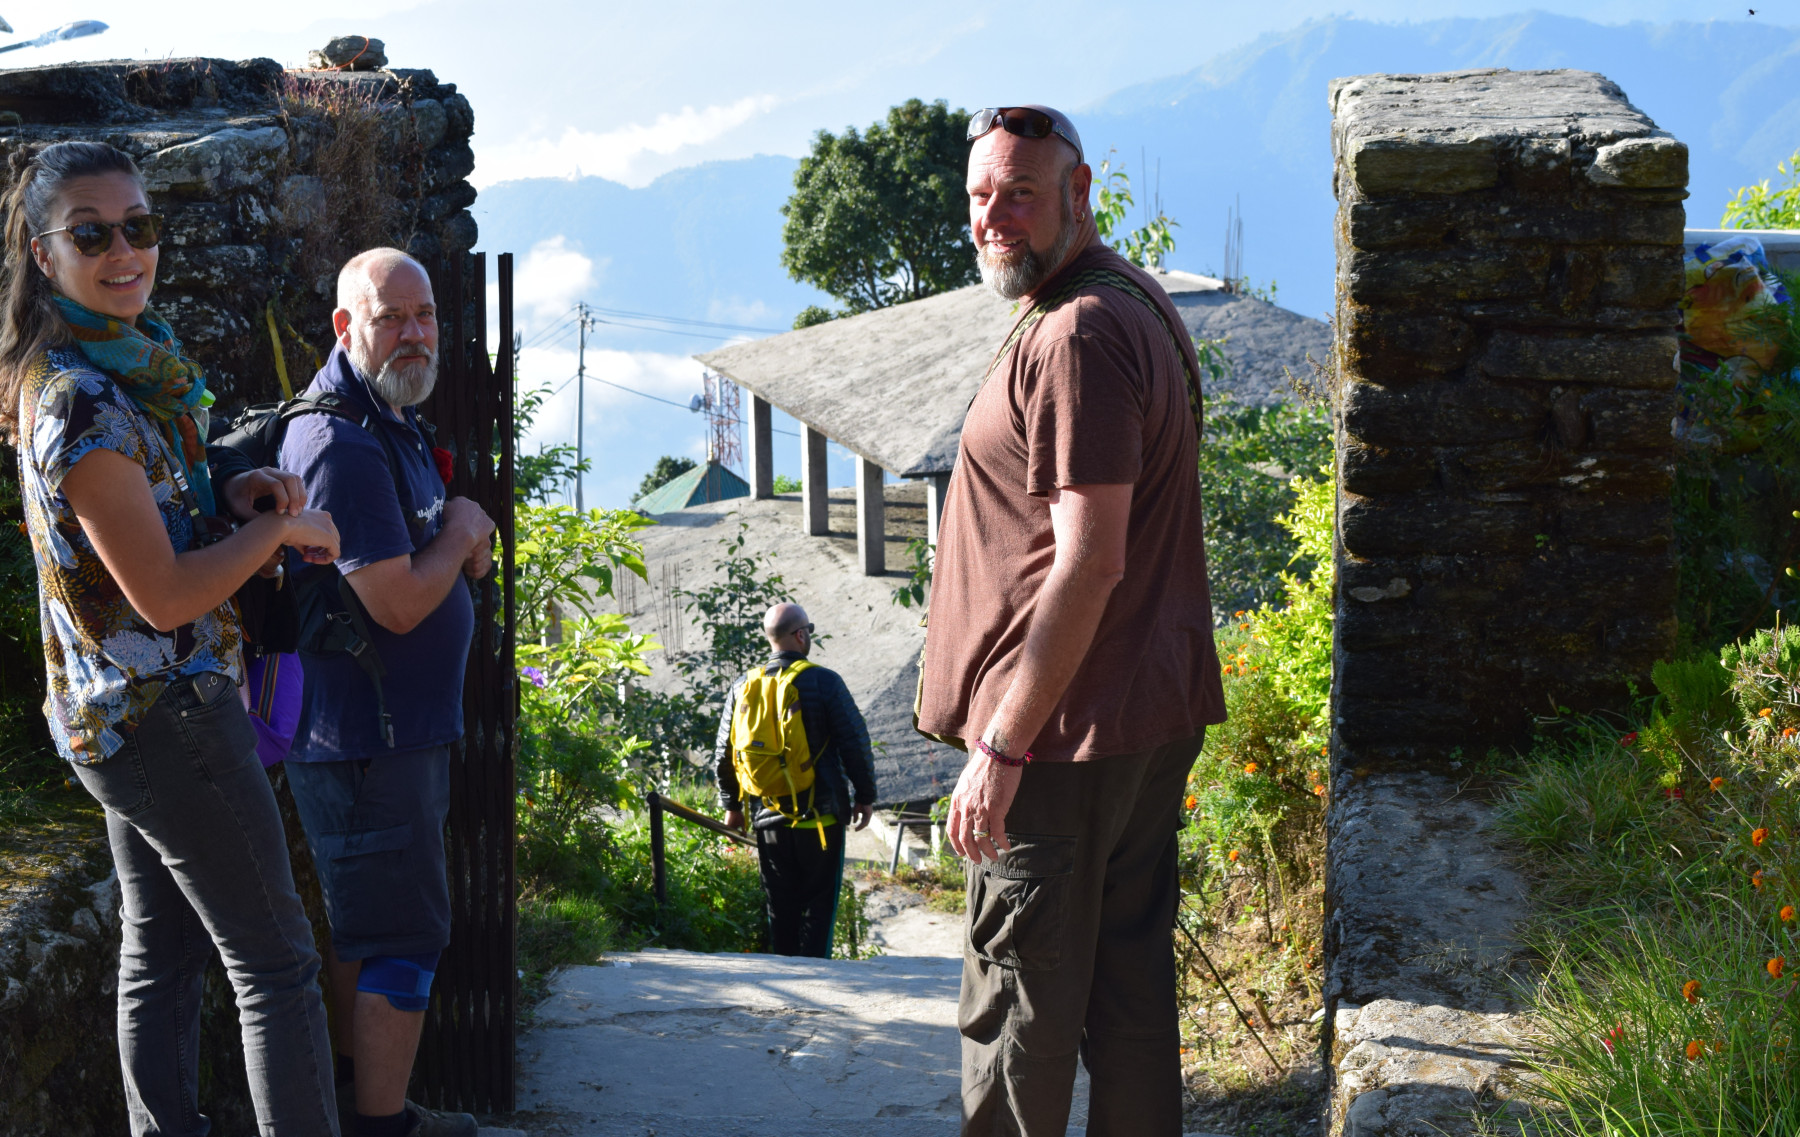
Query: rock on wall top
x,y
1452,132
1509,268
270,179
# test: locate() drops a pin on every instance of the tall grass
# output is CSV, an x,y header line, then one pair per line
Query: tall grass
x,y
1666,850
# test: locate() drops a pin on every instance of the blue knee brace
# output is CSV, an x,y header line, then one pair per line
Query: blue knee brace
x,y
404,979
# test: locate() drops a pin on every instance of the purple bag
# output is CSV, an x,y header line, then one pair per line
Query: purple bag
x,y
274,684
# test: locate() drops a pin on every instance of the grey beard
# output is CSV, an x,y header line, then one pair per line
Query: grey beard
x,y
1015,278
404,385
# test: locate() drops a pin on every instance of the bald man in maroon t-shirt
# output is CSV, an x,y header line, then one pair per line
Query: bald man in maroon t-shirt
x,y
1070,649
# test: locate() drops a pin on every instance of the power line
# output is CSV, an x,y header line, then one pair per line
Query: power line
x,y
685,320
670,402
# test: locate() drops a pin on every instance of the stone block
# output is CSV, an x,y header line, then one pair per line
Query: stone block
x,y
215,267
1376,470
430,122
1441,279
1644,277
1630,419
1394,348
1432,165
351,53
1506,219
195,223
1411,524
1656,162
1636,361
459,122
217,163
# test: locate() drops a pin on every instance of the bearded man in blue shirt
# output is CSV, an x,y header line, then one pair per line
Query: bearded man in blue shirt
x,y
370,765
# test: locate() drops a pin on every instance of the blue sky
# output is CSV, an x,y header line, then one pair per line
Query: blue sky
x,y
632,91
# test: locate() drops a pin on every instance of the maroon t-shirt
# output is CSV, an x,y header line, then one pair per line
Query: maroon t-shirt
x,y
1093,394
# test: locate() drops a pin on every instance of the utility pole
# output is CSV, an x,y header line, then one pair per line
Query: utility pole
x,y
581,314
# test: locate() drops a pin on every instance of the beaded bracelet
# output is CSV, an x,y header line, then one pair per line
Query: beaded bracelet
x,y
999,757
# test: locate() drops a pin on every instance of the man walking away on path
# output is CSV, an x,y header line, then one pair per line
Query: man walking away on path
x,y
797,770
370,764
1070,648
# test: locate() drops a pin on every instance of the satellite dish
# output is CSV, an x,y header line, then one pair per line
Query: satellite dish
x,y
73,30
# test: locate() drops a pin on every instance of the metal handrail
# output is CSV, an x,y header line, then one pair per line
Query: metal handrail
x,y
659,805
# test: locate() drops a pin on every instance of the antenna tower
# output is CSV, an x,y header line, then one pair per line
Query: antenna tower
x,y
722,418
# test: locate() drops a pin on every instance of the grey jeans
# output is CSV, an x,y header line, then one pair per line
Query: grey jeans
x,y
197,839
1069,951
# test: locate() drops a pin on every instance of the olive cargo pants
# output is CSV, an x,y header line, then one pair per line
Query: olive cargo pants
x,y
1069,950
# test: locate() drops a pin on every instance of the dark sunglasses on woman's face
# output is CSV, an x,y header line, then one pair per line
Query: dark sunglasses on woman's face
x,y
92,238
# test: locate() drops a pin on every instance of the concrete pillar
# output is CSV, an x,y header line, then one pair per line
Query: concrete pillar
x,y
1506,336
871,518
815,486
935,487
760,461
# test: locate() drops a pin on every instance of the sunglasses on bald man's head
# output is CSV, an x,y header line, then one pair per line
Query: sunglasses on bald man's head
x,y
1024,122
92,238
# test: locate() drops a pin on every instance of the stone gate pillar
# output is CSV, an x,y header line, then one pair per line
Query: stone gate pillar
x,y
1509,265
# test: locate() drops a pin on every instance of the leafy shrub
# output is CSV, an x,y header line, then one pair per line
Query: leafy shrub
x,y
1759,207
1255,834
785,484
1247,462
730,611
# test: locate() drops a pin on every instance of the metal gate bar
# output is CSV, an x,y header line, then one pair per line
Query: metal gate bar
x,y
466,1054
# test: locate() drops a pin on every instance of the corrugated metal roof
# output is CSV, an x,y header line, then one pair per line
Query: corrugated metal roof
x,y
892,385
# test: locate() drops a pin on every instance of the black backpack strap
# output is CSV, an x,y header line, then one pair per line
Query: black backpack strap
x,y
347,631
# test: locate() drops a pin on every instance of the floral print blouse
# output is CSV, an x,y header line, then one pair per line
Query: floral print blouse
x,y
106,663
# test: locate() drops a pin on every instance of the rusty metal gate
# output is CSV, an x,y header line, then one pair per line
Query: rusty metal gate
x,y
466,1056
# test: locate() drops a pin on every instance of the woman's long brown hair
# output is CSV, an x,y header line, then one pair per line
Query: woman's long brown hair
x,y
29,321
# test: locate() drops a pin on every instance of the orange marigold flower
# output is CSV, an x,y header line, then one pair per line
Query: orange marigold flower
x,y
1695,1049
1250,767
1318,790
1232,856
1787,913
1243,627
1756,879
1718,784
1226,670
1765,712
1192,801
1691,990
1776,966
1788,732
1758,836
1239,613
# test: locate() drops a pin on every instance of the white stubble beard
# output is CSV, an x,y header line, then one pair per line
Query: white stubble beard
x,y
401,385
1016,275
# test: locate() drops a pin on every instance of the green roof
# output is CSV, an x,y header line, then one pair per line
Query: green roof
x,y
709,482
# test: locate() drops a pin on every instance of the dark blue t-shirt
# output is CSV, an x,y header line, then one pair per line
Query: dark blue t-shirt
x,y
347,475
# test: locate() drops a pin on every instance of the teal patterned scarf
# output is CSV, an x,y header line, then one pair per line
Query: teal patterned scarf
x,y
147,364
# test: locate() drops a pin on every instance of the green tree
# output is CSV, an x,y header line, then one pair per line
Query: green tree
x,y
666,470
881,217
1759,207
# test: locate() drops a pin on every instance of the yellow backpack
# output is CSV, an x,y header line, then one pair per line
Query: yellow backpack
x,y
769,748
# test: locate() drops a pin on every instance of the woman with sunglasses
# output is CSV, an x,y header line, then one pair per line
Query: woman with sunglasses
x,y
142,642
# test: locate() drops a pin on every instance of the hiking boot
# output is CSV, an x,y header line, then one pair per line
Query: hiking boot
x,y
433,1123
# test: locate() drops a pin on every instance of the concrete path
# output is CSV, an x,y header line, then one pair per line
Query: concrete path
x,y
680,1044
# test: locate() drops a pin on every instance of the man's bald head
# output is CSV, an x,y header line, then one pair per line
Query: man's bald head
x,y
787,628
361,278
386,321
